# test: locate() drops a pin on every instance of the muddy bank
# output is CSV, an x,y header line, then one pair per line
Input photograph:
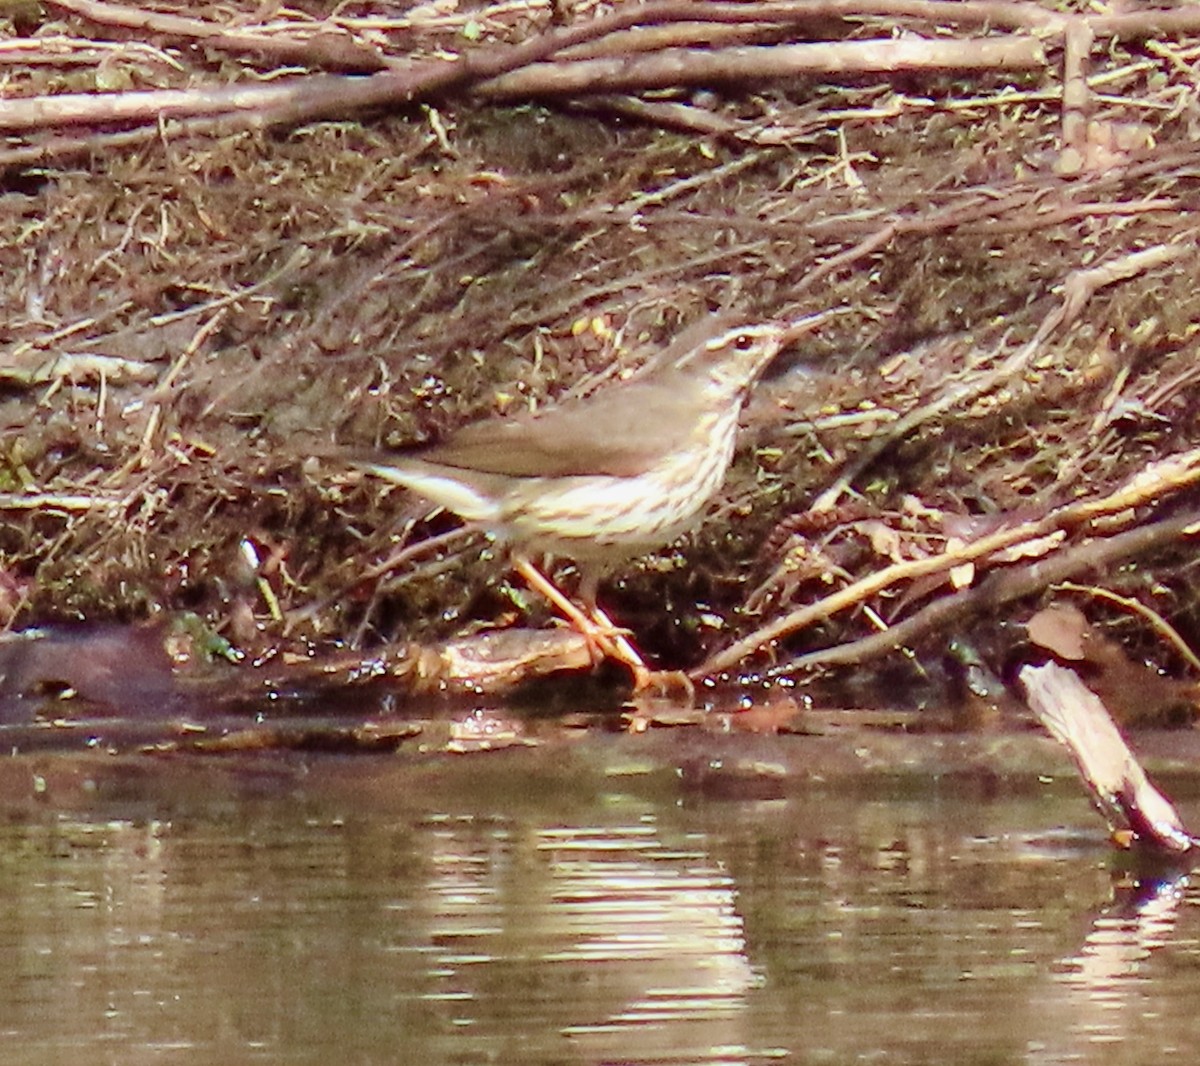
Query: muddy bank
x,y
202,312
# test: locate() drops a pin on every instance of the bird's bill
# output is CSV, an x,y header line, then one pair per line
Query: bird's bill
x,y
801,327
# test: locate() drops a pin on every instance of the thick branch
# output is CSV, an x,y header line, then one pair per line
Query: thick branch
x,y
756,64
997,589
329,46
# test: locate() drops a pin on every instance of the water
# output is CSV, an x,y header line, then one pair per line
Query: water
x,y
470,911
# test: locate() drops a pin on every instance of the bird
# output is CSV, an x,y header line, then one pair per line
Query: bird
x,y
603,478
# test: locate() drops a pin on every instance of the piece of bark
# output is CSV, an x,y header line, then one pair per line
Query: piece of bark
x,y
1074,716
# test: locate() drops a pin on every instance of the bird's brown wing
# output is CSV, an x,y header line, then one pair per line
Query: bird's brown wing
x,y
620,431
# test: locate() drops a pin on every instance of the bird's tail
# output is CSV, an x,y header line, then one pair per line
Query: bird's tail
x,y
438,485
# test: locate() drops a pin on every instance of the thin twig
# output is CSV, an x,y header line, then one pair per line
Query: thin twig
x,y
1157,622
1158,479
1078,288
995,590
57,501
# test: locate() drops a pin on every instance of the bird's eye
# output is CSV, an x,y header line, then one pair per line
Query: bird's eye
x,y
743,341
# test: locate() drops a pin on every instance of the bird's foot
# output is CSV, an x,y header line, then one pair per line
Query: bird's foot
x,y
605,640
602,643
662,698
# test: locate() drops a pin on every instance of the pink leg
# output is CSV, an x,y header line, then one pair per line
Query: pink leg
x,y
598,629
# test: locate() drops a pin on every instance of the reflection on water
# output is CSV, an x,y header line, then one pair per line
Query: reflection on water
x,y
338,914
1106,992
636,942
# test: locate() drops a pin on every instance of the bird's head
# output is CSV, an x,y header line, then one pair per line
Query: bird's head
x,y
737,355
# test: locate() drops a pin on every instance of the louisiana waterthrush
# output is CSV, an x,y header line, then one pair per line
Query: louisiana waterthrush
x,y
607,477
